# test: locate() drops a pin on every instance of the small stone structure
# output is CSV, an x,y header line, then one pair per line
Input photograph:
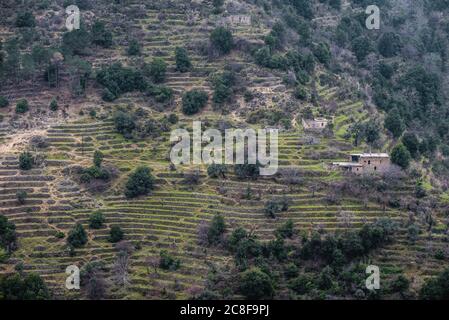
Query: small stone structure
x,y
364,163
315,124
236,20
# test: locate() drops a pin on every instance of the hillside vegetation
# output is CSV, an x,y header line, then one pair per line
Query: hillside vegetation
x,y
85,171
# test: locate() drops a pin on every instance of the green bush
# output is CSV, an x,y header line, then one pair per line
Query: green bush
x,y
322,53
3,102
302,284
23,287
53,105
100,35
134,48
25,20
74,42
394,123
274,206
401,156
193,101
161,93
77,236
124,123
436,288
216,230
118,80
222,39
300,93
22,106
183,63
98,158
222,84
157,70
389,44
96,220
167,262
8,236
21,196
255,284
140,182
26,161
217,170
116,234
400,284
247,171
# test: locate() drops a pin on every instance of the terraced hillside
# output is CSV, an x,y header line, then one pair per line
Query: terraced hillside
x,y
186,199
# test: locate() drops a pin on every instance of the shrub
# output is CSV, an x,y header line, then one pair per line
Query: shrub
x,y
3,255
183,63
436,288
216,229
322,53
3,102
100,35
8,234
274,206
141,182
218,4
167,262
400,284
286,230
124,123
246,171
21,196
255,284
26,161
22,106
162,94
263,56
411,142
53,105
300,93
193,101
25,20
302,284
116,234
108,96
157,70
74,42
361,47
77,236
118,79
59,235
401,156
96,220
18,287
222,39
134,48
222,84
389,44
394,123
98,158
217,170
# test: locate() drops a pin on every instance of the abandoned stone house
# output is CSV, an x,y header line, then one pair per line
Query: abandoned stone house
x,y
238,20
315,124
364,163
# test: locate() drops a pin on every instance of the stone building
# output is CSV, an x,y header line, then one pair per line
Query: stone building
x,y
315,124
364,163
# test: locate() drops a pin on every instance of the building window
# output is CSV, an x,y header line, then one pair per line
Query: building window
x,y
375,168
369,161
